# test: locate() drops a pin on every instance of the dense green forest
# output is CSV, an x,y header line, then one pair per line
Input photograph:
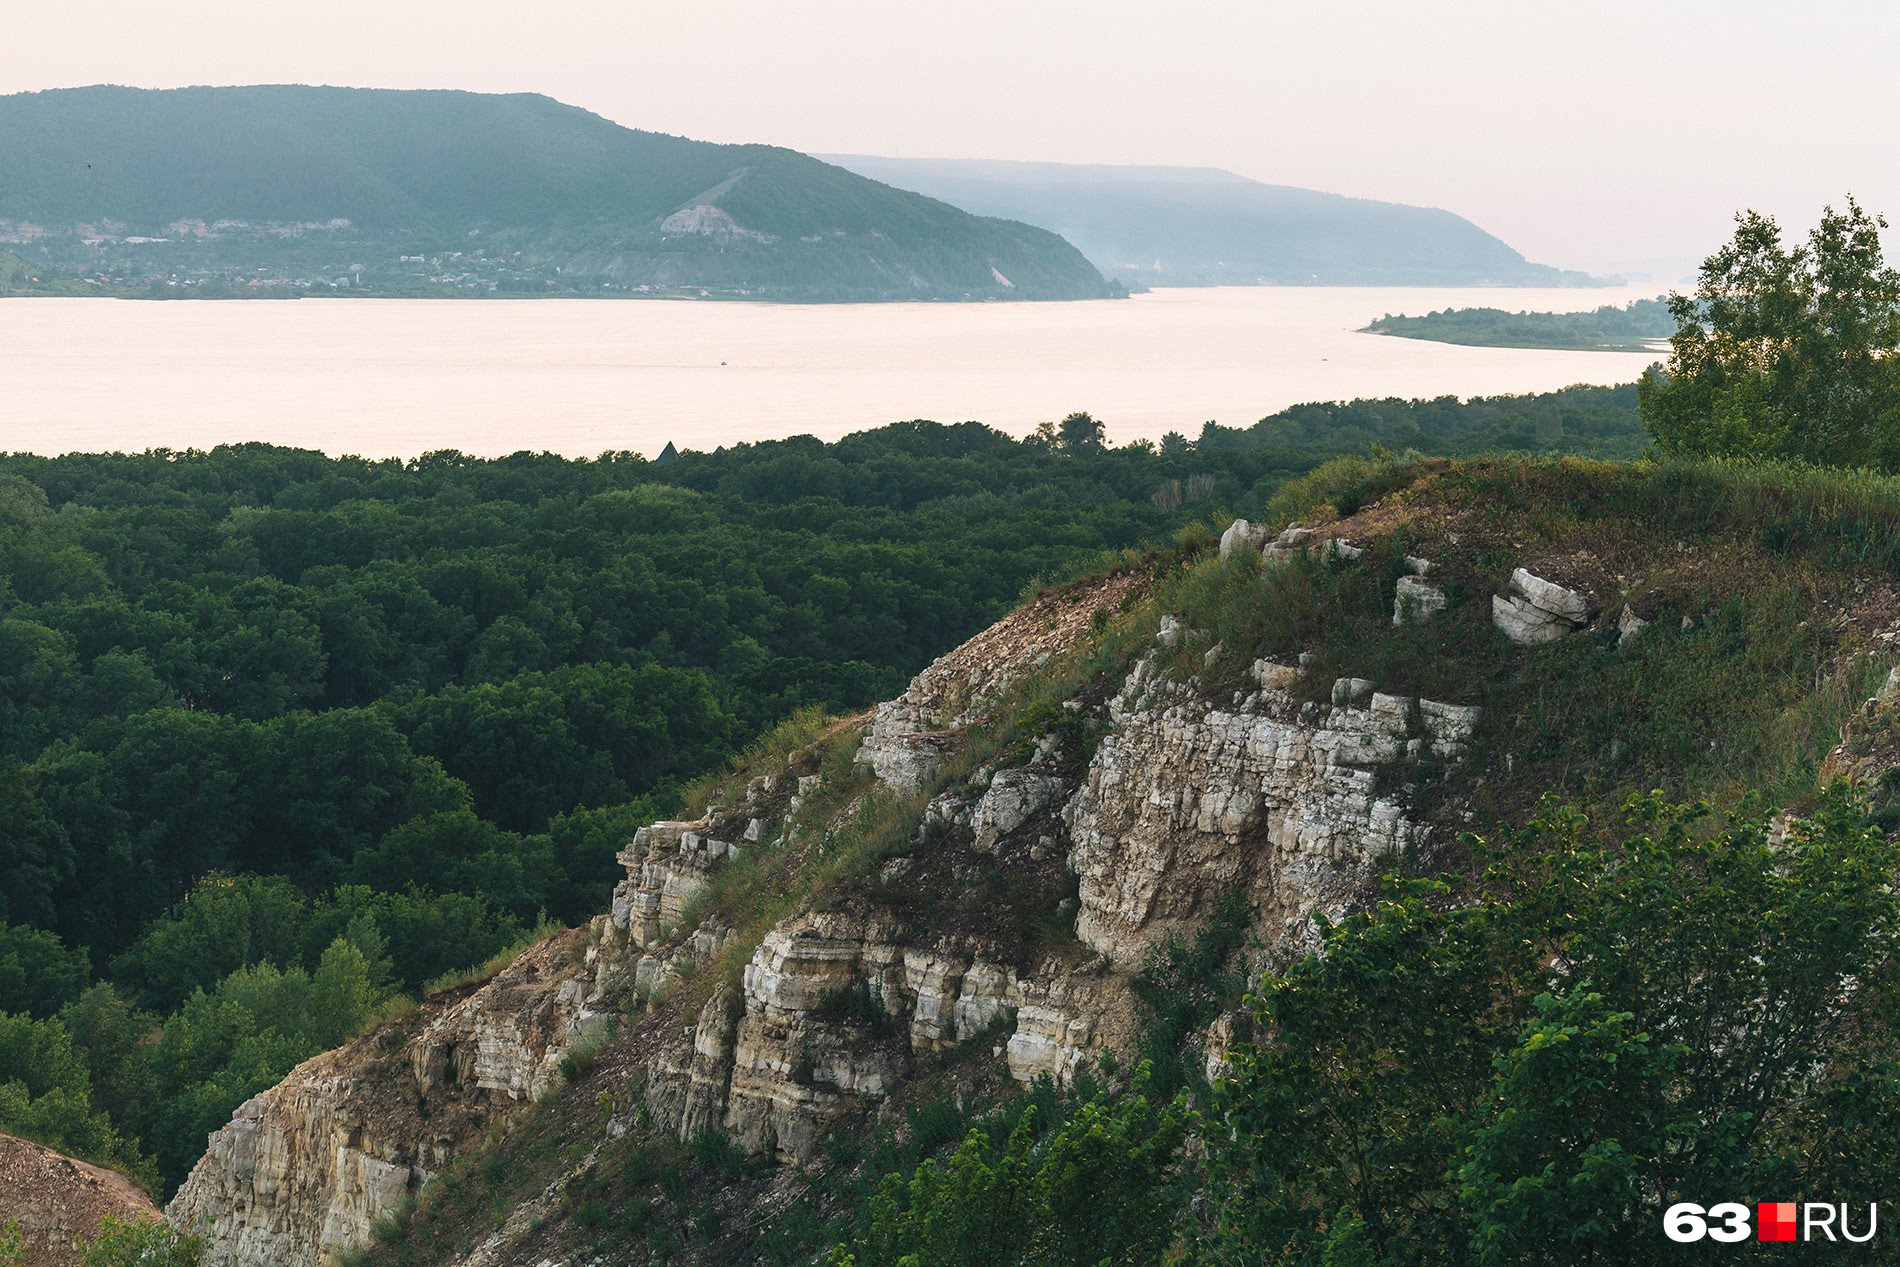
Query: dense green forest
x,y
1635,327
285,738
313,183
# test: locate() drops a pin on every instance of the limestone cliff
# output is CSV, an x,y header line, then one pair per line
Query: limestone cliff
x,y
1184,799
1292,804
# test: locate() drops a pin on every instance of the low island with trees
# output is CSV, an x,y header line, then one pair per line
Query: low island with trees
x,y
1638,326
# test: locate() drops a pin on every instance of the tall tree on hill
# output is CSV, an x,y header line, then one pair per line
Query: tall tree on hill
x,y
1786,353
1082,433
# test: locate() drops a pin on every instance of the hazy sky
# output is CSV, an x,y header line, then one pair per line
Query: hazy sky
x,y
1586,134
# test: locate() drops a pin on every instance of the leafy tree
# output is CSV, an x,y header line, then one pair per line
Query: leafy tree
x,y
112,1037
46,1096
36,852
462,852
1581,1108
38,974
225,923
421,935
1081,433
1786,353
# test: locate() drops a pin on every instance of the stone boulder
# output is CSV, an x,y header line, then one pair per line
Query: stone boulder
x,y
1012,799
1534,610
1242,534
1629,626
1292,541
1416,601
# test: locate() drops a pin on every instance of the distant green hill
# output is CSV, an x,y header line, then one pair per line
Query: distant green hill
x,y
1200,226
394,190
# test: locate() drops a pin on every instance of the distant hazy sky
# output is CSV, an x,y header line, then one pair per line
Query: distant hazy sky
x,y
1586,133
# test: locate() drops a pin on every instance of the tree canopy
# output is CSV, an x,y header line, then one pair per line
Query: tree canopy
x,y
1786,352
1532,1070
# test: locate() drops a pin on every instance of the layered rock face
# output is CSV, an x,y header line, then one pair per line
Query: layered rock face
x,y
302,1170
833,1007
836,1008
667,866
1295,806
1298,807
55,1199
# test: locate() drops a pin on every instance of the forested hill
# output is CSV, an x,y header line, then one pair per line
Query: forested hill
x,y
1199,226
514,192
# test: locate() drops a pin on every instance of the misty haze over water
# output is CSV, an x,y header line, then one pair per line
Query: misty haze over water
x,y
402,377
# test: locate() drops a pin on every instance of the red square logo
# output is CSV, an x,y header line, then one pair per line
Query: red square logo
x,y
1774,1221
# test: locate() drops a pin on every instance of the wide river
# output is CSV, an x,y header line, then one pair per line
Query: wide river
x,y
401,377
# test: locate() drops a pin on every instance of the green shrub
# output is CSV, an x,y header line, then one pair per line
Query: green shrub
x,y
1098,1187
140,1243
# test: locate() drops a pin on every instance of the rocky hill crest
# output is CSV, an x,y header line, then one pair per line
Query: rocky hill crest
x,y
971,886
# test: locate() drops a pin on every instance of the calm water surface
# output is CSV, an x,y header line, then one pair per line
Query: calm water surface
x,y
402,377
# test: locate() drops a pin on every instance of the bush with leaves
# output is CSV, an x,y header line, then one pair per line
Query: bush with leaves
x,y
1099,1188
140,1243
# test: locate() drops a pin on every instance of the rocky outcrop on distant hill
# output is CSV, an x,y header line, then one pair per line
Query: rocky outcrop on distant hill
x,y
55,1199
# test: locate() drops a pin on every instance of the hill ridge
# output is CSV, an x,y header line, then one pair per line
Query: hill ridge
x,y
1165,225
442,191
